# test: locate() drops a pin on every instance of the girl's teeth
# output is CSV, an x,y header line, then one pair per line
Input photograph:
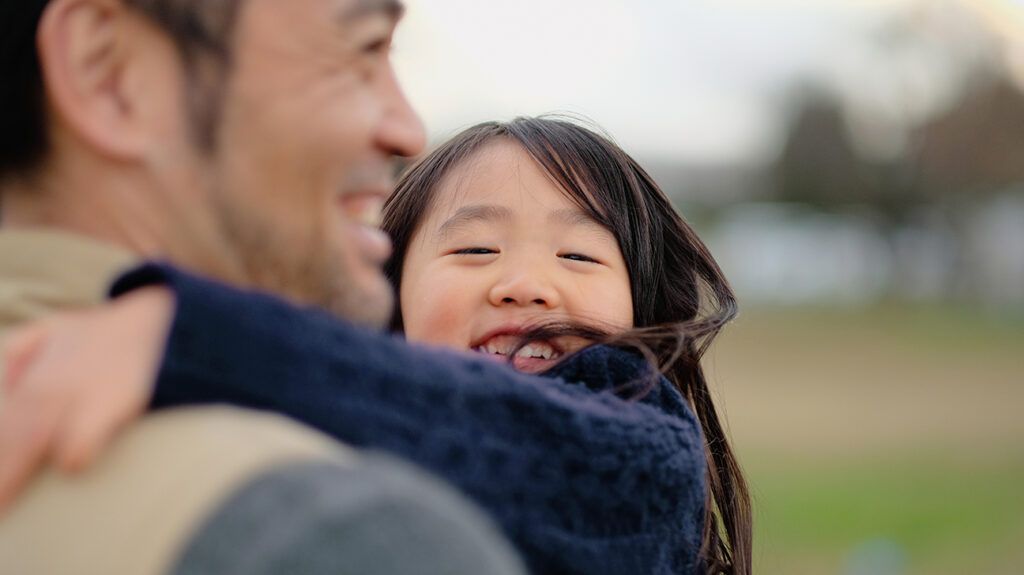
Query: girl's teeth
x,y
540,351
535,350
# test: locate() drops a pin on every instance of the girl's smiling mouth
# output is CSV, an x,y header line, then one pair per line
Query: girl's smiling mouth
x,y
530,356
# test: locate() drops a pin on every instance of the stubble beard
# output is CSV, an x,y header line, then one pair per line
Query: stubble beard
x,y
306,271
310,274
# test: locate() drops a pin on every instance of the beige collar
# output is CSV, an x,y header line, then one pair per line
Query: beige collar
x,y
44,270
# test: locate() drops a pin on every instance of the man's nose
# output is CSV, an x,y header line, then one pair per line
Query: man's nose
x,y
524,290
401,131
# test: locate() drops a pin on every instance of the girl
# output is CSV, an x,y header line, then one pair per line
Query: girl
x,y
542,219
529,242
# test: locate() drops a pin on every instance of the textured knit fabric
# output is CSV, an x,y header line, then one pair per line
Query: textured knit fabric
x,y
381,516
581,480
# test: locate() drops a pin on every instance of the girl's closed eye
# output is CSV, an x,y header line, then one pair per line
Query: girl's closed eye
x,y
578,257
475,251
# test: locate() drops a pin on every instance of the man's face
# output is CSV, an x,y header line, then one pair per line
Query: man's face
x,y
310,119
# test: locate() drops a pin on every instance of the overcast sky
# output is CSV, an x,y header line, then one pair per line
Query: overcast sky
x,y
688,80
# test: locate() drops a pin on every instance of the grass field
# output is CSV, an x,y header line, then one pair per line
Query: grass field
x,y
886,441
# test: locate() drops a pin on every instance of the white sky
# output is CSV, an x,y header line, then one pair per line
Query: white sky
x,y
688,80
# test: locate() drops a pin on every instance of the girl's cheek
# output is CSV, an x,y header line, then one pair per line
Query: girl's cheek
x,y
438,317
610,303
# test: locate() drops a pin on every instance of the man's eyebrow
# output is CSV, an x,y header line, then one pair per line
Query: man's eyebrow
x,y
362,8
474,213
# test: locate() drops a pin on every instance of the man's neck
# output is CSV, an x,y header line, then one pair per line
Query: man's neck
x,y
127,208
98,213
124,214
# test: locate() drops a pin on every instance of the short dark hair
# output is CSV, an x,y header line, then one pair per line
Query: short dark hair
x,y
201,29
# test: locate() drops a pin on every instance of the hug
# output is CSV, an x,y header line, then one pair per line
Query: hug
x,y
490,366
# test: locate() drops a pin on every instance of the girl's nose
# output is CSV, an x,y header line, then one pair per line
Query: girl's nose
x,y
524,290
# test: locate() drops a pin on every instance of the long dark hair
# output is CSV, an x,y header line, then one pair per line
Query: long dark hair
x,y
681,299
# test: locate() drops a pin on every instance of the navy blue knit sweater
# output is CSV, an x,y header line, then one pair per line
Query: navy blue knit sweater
x,y
581,480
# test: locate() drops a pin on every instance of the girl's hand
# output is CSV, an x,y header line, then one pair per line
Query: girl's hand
x,y
73,380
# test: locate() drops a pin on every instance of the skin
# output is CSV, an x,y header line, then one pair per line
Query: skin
x,y
503,248
288,199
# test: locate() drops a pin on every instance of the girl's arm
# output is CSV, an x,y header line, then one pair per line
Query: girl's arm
x,y
565,470
582,481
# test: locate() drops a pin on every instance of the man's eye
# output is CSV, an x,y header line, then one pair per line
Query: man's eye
x,y
578,258
381,46
474,252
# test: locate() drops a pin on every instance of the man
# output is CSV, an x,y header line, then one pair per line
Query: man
x,y
250,140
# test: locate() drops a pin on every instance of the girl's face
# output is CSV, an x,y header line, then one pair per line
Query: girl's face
x,y
503,249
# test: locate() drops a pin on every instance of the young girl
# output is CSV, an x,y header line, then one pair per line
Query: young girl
x,y
539,222
528,242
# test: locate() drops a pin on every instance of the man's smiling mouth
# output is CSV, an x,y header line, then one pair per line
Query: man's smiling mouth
x,y
362,215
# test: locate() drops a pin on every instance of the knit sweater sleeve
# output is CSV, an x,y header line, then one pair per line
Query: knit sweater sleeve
x,y
581,480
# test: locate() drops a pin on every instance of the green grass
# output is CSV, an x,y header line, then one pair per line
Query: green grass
x,y
895,424
946,518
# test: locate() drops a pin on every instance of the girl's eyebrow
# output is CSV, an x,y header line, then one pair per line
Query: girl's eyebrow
x,y
574,217
474,213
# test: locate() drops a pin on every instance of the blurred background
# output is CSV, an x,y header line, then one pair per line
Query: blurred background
x,y
857,167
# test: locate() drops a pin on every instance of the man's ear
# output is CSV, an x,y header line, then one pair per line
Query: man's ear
x,y
85,52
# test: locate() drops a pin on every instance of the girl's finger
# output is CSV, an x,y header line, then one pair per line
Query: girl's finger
x,y
20,348
89,430
27,429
